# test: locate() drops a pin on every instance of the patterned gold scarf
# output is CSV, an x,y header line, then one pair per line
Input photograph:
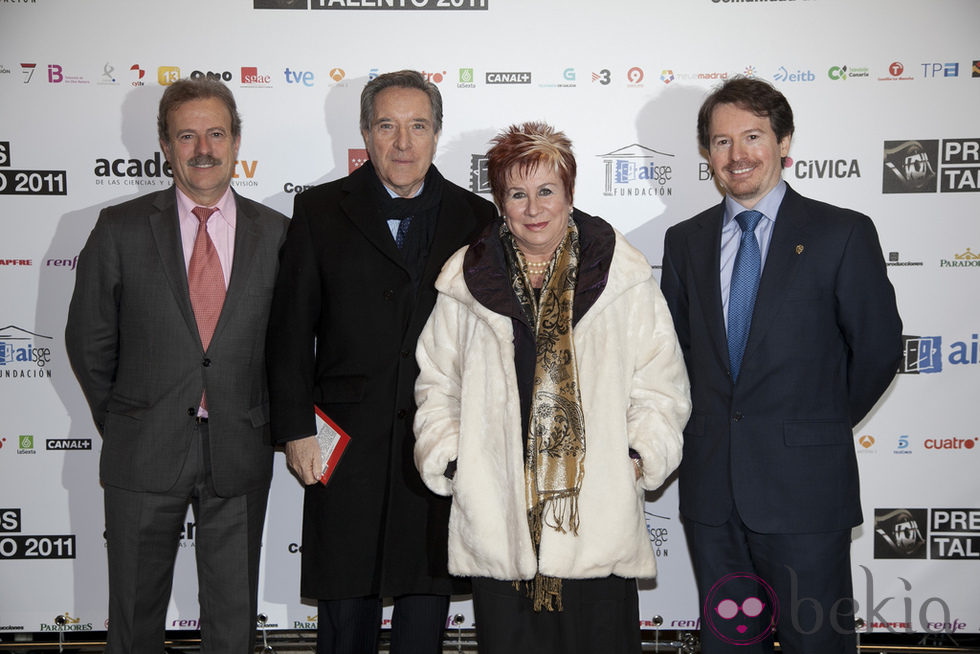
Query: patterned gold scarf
x,y
555,462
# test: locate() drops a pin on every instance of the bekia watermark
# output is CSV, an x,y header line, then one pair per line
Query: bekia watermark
x,y
742,608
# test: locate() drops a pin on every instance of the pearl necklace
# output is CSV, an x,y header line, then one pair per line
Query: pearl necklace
x,y
537,267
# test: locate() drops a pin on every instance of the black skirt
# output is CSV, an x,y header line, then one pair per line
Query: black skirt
x,y
598,616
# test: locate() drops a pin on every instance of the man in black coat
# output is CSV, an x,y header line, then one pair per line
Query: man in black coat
x,y
782,365
354,291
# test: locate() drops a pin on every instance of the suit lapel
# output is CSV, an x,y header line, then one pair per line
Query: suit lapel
x,y
705,247
361,208
782,263
246,240
165,227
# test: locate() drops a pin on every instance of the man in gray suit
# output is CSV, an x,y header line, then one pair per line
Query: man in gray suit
x,y
166,334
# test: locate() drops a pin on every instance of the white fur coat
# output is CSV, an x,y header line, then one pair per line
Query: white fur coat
x,y
635,394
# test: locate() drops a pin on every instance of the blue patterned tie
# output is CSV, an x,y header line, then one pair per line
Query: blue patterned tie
x,y
745,284
403,225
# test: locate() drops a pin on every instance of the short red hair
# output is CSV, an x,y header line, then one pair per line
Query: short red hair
x,y
525,147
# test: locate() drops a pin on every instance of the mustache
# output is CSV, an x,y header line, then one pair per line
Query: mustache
x,y
203,160
741,163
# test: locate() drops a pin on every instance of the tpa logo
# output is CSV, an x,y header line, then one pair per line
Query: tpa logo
x,y
935,69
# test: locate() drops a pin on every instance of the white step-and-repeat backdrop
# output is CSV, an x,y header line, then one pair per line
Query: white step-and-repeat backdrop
x,y
883,92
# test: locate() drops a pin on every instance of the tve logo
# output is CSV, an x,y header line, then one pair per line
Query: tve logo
x,y
299,77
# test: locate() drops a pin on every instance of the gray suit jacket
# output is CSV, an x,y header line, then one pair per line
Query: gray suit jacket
x,y
133,343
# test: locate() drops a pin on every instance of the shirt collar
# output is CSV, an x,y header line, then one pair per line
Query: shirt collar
x,y
224,205
768,206
392,194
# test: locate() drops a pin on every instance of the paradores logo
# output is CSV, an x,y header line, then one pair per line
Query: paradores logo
x,y
66,623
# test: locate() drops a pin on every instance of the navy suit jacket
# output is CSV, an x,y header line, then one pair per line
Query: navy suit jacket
x,y
824,344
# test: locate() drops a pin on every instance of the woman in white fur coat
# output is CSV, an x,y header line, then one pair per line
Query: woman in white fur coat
x,y
552,394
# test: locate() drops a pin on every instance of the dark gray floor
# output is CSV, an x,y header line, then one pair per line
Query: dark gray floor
x,y
304,642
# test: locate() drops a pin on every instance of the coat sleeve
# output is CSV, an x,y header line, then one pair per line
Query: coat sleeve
x,y
660,398
868,317
674,293
438,395
291,337
92,329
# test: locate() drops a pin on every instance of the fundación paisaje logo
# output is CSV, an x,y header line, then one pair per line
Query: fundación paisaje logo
x,y
24,354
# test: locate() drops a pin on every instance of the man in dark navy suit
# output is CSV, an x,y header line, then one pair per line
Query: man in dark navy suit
x,y
791,334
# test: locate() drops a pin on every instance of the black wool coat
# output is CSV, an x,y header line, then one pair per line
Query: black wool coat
x,y
344,323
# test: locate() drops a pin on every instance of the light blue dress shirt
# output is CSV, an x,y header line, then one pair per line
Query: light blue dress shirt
x,y
731,234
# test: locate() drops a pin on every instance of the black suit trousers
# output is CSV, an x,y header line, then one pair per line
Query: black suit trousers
x,y
802,584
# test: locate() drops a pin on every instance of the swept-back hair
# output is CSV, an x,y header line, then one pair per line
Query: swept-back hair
x,y
522,148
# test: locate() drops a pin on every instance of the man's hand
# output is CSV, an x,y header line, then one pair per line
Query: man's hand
x,y
303,458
